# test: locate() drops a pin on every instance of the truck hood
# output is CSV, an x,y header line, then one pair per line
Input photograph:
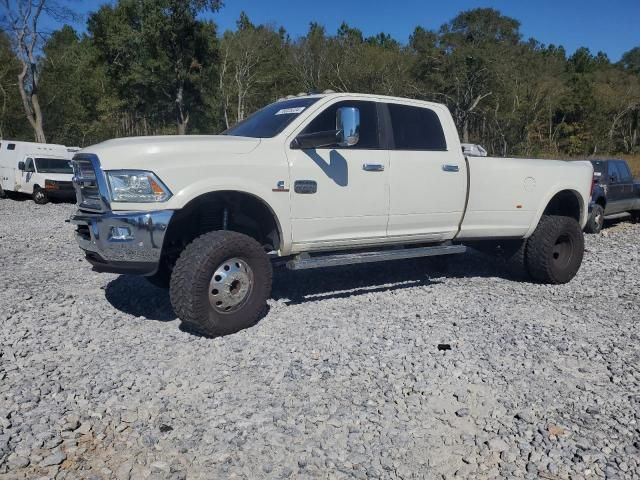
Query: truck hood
x,y
146,153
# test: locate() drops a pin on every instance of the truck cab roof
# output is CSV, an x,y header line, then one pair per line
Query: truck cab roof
x,y
364,96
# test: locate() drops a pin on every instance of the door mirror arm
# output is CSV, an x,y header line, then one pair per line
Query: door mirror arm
x,y
316,140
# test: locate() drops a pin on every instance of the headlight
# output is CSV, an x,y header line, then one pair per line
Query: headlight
x,y
136,187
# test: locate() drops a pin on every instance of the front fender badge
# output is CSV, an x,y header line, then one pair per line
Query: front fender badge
x,y
281,186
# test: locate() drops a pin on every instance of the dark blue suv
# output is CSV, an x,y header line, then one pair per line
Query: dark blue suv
x,y
614,191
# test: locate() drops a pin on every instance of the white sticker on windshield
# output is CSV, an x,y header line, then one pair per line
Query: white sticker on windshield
x,y
289,111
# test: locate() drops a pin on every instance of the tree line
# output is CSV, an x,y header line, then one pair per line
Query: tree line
x,y
148,67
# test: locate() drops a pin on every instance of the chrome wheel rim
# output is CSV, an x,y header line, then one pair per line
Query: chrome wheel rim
x,y
39,195
230,286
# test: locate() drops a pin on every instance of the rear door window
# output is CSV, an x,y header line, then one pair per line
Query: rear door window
x,y
416,128
623,171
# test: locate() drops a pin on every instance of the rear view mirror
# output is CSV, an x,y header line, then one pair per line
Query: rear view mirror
x,y
21,166
348,126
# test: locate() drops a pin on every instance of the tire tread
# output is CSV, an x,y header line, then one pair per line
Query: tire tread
x,y
542,240
189,276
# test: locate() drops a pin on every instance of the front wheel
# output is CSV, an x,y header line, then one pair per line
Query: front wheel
x,y
221,283
596,220
40,196
555,250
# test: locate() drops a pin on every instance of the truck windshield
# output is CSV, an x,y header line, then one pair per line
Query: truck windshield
x,y
53,165
272,119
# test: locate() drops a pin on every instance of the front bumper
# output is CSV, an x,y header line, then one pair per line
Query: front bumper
x,y
61,190
125,243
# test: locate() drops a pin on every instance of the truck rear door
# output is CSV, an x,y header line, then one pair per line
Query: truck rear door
x,y
427,174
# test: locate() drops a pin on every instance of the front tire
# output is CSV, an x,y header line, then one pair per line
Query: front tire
x,y
596,220
40,196
220,283
555,250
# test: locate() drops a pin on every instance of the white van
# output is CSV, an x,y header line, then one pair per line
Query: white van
x,y
41,170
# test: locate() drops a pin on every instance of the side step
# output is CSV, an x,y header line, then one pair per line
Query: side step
x,y
306,261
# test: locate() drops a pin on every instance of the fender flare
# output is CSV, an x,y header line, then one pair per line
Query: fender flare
x,y
584,210
187,200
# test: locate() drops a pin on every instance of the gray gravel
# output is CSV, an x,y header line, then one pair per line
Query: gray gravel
x,y
403,370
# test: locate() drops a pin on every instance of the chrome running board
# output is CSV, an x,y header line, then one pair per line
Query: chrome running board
x,y
305,261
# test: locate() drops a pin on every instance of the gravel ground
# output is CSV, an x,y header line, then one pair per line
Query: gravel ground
x,y
396,370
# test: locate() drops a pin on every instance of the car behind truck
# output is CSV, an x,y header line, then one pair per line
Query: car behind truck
x,y
317,181
41,170
615,191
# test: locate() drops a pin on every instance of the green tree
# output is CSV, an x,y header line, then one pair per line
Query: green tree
x,y
475,42
631,60
160,58
77,100
12,121
308,59
22,18
252,69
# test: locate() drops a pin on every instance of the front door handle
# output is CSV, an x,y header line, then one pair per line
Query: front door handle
x,y
373,167
451,168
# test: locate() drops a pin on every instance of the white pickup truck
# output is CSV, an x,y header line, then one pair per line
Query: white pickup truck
x,y
316,181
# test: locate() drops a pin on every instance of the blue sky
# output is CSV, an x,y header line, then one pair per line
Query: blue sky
x,y
611,26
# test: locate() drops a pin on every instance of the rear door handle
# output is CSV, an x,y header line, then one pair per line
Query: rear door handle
x,y
373,167
451,168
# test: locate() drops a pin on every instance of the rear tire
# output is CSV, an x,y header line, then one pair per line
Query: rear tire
x,y
555,250
596,220
635,216
220,283
40,196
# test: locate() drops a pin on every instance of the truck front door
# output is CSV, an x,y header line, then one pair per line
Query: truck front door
x,y
427,179
339,195
28,173
626,180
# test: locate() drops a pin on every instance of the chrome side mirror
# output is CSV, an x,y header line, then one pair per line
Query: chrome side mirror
x,y
348,126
